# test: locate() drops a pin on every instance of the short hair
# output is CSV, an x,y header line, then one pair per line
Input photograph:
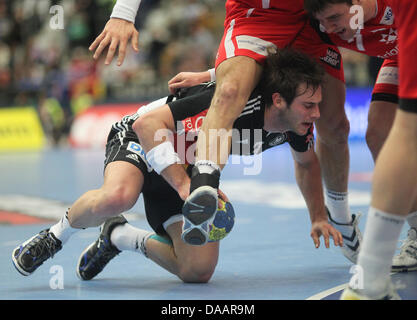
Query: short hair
x,y
285,70
315,6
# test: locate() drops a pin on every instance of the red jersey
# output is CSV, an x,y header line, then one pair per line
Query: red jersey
x,y
406,12
379,36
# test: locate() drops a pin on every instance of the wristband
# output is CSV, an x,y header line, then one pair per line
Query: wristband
x,y
126,10
212,74
162,156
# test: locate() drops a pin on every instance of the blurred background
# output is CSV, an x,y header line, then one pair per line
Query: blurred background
x,y
47,72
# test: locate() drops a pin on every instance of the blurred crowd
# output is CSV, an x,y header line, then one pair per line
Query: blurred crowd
x,y
49,67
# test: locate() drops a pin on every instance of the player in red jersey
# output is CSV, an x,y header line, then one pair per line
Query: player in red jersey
x,y
376,36
250,27
394,187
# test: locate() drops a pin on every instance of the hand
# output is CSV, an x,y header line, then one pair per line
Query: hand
x,y
222,196
323,228
187,79
117,32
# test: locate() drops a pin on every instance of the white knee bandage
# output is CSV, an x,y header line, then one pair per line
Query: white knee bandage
x,y
162,156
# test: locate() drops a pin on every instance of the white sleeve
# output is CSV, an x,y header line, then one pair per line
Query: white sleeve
x,y
212,74
126,10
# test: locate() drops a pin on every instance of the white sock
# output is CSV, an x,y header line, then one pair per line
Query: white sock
x,y
377,250
412,219
338,205
127,237
206,166
63,230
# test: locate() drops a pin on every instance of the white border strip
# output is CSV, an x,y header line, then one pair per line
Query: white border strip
x,y
324,294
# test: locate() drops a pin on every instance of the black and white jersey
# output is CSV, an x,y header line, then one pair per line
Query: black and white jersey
x,y
189,108
248,135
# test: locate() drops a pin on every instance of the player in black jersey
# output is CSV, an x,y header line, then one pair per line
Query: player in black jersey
x,y
146,153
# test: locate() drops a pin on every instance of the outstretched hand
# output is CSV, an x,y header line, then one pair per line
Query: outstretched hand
x,y
323,228
116,34
187,79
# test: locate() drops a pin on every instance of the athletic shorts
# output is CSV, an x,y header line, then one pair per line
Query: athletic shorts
x,y
251,33
386,85
163,205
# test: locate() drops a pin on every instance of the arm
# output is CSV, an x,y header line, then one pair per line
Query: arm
x,y
118,31
153,129
189,79
308,176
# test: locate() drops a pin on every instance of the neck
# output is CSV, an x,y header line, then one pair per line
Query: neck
x,y
370,9
273,121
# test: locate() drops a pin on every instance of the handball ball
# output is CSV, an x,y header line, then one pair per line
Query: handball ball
x,y
223,222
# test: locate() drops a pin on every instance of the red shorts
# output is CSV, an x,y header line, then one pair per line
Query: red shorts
x,y
386,85
252,33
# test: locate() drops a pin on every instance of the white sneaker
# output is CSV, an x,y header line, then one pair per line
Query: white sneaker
x,y
389,294
406,260
352,236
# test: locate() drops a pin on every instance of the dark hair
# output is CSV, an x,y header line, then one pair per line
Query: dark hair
x,y
285,70
316,6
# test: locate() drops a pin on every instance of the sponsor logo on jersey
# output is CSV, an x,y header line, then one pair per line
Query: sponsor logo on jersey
x,y
280,138
388,17
332,58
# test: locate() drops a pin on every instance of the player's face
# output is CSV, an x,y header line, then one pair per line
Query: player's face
x,y
336,18
304,110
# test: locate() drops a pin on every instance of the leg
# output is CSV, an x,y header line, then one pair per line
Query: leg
x,y
236,78
332,139
380,118
189,263
121,188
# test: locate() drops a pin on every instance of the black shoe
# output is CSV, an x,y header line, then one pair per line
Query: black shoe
x,y
200,207
98,254
32,253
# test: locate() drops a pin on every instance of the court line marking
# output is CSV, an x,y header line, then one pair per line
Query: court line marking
x,y
326,293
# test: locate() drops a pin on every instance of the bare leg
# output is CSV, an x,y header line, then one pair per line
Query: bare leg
x,y
121,188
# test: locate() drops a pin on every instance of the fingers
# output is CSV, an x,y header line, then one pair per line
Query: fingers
x,y
122,52
337,237
103,44
223,196
111,51
135,41
316,239
97,41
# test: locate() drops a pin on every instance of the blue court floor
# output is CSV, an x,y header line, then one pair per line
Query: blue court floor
x,y
268,256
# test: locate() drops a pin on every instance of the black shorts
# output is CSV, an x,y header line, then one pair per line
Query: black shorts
x,y
162,202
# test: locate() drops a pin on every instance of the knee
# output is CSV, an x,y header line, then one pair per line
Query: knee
x,y
196,273
229,100
375,138
333,131
113,202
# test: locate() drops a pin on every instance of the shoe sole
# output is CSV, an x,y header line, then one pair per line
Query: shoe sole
x,y
16,263
201,205
194,235
77,271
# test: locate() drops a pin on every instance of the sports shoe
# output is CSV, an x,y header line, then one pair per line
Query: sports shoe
x,y
353,294
200,207
352,236
98,254
406,260
32,253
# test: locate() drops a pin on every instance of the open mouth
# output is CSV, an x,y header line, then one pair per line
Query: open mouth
x,y
341,32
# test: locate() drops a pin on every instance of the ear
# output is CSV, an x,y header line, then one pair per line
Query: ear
x,y
278,101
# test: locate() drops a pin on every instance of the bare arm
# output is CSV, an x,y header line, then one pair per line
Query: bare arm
x,y
308,176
